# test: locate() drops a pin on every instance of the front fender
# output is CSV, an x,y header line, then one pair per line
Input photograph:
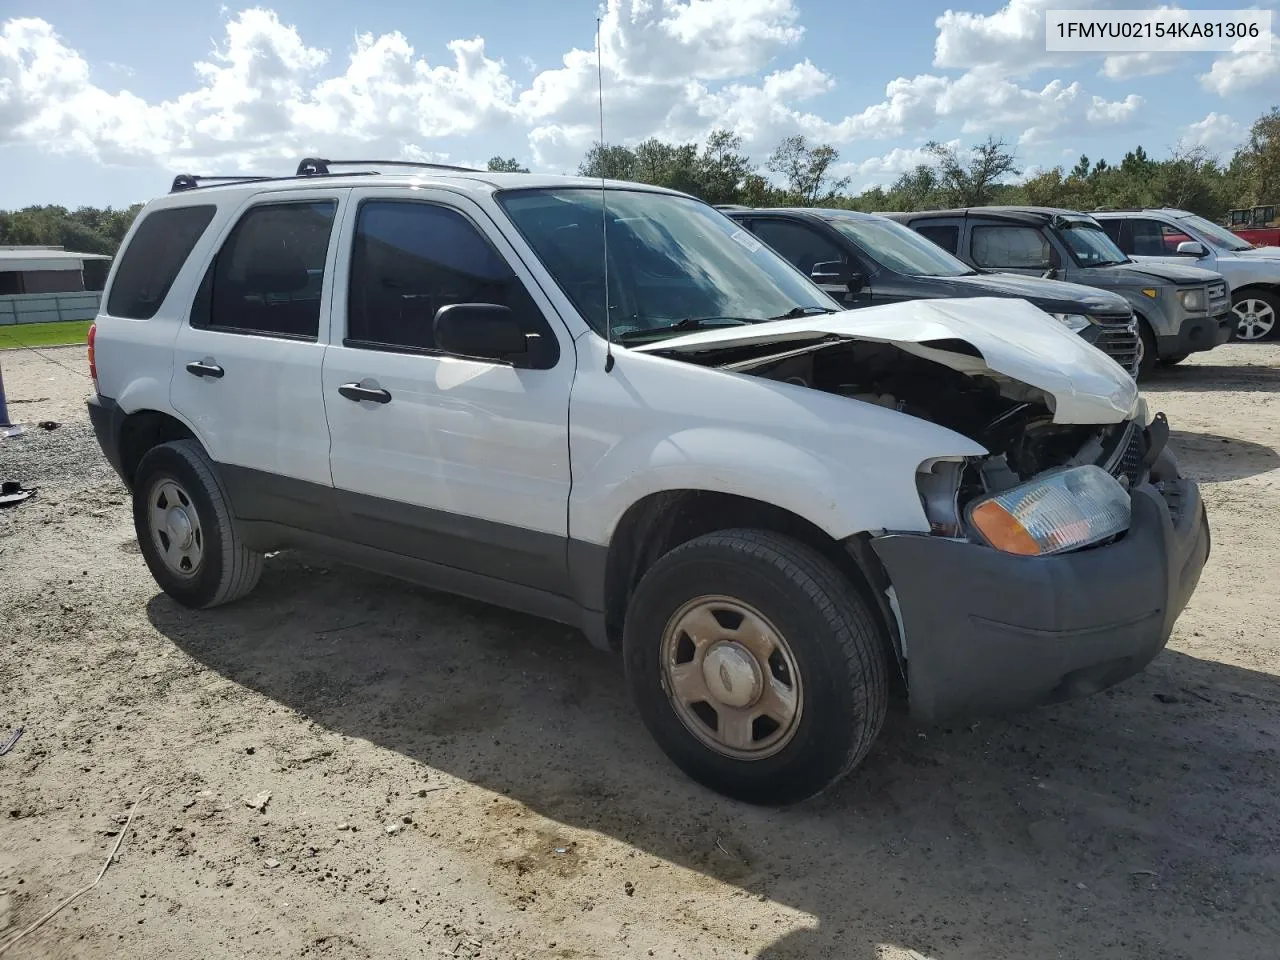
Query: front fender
x,y
841,464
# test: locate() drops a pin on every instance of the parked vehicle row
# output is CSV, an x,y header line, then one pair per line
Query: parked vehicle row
x,y
613,406
865,259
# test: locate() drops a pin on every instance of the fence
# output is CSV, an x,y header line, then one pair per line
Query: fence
x,y
48,307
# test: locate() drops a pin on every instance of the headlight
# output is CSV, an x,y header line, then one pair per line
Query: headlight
x,y
1191,299
1075,322
1058,511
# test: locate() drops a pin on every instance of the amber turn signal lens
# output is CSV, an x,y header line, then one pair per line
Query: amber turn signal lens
x,y
1002,530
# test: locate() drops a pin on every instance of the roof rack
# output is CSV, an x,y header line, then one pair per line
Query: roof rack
x,y
316,167
309,167
191,181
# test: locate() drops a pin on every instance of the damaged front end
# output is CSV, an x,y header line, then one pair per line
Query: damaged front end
x,y
1014,421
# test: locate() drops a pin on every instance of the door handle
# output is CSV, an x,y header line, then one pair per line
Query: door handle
x,y
199,368
353,391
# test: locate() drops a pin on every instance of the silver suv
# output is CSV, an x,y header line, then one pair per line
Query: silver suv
x,y
1180,237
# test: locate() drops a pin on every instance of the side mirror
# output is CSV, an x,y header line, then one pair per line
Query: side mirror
x,y
1191,248
837,273
485,330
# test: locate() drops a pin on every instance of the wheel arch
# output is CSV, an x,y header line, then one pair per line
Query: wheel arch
x,y
658,523
144,429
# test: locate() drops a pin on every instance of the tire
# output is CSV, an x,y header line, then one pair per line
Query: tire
x,y
202,563
1257,315
835,662
1150,352
1173,359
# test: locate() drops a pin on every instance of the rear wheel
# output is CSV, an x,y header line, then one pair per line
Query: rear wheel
x,y
756,665
183,522
1256,315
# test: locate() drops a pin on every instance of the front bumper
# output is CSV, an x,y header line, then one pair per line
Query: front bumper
x,y
1196,334
987,632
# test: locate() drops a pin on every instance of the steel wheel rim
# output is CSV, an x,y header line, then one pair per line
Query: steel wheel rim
x,y
175,527
1255,319
731,678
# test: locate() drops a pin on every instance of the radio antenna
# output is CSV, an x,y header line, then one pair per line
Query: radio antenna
x,y
604,210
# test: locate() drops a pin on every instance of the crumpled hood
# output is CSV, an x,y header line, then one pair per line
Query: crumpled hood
x,y
1015,341
1257,253
1145,271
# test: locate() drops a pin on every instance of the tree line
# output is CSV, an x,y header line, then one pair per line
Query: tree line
x,y
805,173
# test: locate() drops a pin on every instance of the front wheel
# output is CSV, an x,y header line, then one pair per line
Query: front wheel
x,y
756,665
1256,315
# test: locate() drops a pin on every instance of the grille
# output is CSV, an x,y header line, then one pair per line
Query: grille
x,y
1126,463
1119,341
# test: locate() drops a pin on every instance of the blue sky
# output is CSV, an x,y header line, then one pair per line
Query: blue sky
x,y
103,103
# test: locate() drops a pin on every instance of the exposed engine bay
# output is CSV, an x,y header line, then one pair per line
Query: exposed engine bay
x,y
1012,420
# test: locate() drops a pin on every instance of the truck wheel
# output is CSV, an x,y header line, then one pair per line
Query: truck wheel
x,y
1256,315
1173,359
183,523
756,665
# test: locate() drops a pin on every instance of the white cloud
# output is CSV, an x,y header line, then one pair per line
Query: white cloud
x,y
1218,132
1127,66
675,69
1114,111
1244,69
1011,40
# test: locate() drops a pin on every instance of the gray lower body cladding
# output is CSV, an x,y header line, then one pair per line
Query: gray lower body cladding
x,y
988,632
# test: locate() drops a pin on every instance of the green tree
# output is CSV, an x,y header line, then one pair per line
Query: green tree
x,y
807,170
506,165
973,183
1258,170
615,162
722,169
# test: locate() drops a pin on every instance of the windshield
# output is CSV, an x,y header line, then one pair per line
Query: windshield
x,y
900,248
1218,236
671,259
1090,245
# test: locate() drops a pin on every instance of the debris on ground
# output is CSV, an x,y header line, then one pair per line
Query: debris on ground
x,y
258,801
11,741
13,493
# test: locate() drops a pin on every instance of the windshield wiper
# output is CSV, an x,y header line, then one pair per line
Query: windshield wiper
x,y
688,323
796,312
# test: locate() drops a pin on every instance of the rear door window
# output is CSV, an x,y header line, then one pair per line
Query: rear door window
x,y
268,276
150,263
1010,247
947,237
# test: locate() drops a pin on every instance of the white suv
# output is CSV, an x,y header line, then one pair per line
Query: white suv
x,y
777,511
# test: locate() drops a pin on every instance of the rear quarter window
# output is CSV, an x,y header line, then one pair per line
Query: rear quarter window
x,y
160,246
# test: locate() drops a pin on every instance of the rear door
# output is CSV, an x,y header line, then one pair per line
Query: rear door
x,y
248,356
459,461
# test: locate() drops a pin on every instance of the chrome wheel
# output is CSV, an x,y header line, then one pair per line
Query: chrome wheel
x,y
175,527
1255,319
731,678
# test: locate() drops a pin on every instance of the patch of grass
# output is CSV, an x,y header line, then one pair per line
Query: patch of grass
x,y
68,332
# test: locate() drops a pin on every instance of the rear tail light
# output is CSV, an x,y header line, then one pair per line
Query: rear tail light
x,y
93,366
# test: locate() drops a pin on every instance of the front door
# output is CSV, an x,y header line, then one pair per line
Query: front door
x,y
455,460
805,247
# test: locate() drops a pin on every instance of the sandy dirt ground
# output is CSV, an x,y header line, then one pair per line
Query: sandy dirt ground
x,y
450,780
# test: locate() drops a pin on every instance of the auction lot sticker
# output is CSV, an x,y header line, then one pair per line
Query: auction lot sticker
x,y
1157,31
